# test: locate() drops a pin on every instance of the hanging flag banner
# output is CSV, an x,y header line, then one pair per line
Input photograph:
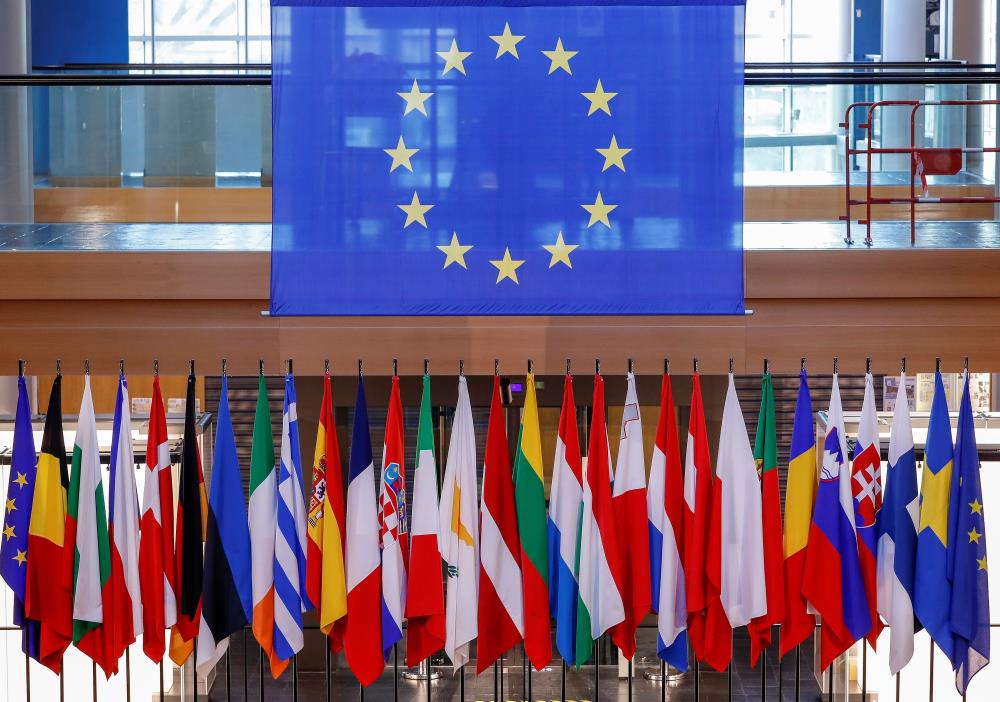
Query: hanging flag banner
x,y
457,157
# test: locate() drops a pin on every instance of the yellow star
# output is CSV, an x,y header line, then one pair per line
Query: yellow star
x,y
507,42
453,58
415,100
560,251
613,155
21,480
507,267
8,531
415,211
599,100
455,252
976,507
401,156
599,212
10,506
974,535
21,556
559,57
982,563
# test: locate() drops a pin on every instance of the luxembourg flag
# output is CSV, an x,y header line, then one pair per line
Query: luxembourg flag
x,y
565,501
897,542
866,484
833,583
363,639
628,499
392,524
665,496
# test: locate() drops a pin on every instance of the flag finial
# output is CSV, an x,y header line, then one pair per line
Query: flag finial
x,y
597,366
666,366
224,370
631,365
59,367
937,364
868,365
191,367
156,367
427,364
836,364
902,365
802,363
326,366
395,367
730,365
121,366
288,366
361,367
21,363
966,365
567,366
767,366
461,367
86,366
262,366
696,365
496,366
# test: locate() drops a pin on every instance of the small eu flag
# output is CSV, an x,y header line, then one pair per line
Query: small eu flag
x,y
967,568
462,157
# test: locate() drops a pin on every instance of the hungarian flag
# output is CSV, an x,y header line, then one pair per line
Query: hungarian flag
x,y
529,497
87,533
628,498
49,586
325,584
765,453
156,535
262,516
425,631
697,509
14,544
735,559
866,483
833,584
392,524
798,624
600,562
189,538
363,637
125,622
458,532
226,600
665,497
501,605
573,642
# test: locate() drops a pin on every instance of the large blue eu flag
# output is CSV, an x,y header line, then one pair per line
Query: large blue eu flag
x,y
447,157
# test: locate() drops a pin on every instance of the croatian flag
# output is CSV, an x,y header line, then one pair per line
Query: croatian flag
x,y
665,496
833,584
392,524
866,484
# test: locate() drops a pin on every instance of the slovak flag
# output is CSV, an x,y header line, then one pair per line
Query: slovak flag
x,y
833,584
665,498
866,485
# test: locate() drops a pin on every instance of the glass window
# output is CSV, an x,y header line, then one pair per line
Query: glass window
x,y
199,31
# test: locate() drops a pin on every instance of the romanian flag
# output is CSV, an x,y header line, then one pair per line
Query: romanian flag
x,y
325,584
529,498
797,624
765,453
192,513
49,579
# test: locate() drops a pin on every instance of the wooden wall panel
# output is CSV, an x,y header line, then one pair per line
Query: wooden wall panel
x,y
104,388
150,204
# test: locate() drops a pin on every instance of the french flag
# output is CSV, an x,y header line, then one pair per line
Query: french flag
x,y
833,583
665,496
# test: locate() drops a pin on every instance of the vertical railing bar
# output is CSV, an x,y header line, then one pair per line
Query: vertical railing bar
x,y
562,683
229,675
781,659
729,668
897,687
496,684
246,670
62,683
798,672
597,668
361,694
830,691
663,680
697,679
94,664
395,672
194,668
327,670
295,678
128,677
931,685
429,678
864,669
524,673
260,667
630,680
501,679
27,677
161,681
461,685
763,673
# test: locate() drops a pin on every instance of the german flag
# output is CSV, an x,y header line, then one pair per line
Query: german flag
x,y
50,573
192,511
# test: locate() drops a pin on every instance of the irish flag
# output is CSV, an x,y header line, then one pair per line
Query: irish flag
x,y
501,608
529,496
425,633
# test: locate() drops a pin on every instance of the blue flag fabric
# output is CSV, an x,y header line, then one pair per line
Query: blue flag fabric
x,y
451,157
970,604
16,516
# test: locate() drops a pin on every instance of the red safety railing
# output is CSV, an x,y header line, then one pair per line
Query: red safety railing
x,y
923,162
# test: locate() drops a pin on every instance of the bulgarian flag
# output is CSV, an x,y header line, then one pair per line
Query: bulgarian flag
x,y
765,454
529,497
425,633
325,583
501,606
87,532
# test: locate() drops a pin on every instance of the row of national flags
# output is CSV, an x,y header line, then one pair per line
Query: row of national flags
x,y
704,548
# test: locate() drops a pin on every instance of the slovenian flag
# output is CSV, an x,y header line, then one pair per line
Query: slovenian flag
x,y
628,499
897,542
363,638
665,496
392,525
226,597
833,582
866,483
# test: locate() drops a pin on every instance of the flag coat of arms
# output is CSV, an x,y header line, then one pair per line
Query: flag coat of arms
x,y
459,157
866,484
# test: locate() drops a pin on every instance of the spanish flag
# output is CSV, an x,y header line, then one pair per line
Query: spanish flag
x,y
49,580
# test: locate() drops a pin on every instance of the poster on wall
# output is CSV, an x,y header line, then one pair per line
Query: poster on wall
x,y
453,157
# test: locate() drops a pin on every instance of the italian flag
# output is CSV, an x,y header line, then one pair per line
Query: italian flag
x,y
529,497
87,531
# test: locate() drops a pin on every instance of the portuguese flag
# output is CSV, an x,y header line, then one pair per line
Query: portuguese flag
x,y
529,498
765,453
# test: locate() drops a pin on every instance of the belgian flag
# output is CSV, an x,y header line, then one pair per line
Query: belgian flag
x,y
49,586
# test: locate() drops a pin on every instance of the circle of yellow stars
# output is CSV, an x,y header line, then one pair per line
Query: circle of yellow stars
x,y
600,100
10,506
